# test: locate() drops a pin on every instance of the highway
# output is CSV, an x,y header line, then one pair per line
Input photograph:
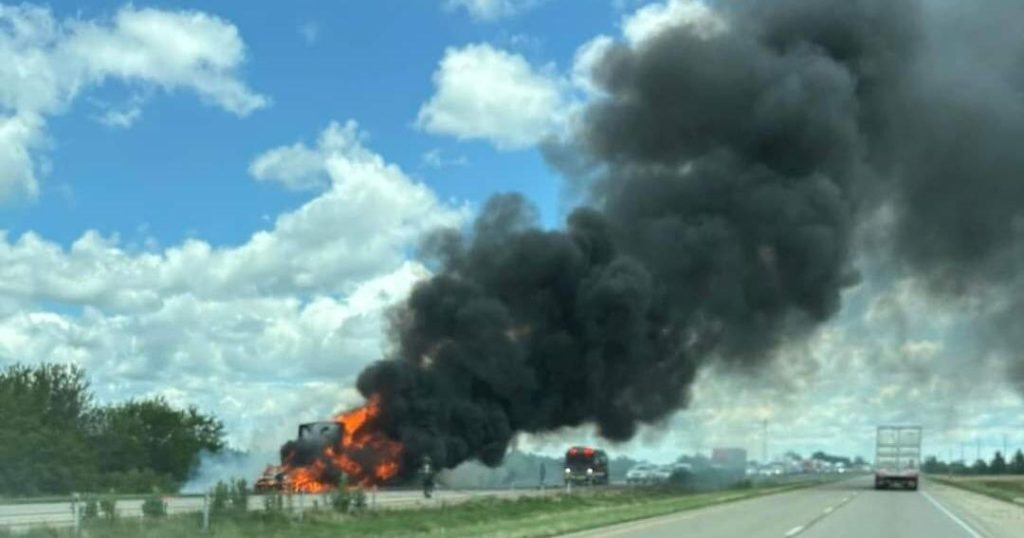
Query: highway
x,y
845,509
848,509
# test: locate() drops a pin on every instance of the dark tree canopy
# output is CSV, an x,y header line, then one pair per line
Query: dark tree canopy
x,y
54,439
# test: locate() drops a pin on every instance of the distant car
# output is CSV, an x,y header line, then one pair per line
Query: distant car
x,y
640,474
679,468
661,474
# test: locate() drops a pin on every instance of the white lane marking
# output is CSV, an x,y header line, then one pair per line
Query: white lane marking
x,y
951,515
797,530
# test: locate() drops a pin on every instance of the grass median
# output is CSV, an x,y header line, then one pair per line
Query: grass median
x,y
1004,488
525,517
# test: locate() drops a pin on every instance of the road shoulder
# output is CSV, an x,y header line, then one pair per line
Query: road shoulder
x,y
989,516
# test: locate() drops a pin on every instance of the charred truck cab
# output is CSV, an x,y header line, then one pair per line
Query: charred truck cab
x,y
586,465
313,438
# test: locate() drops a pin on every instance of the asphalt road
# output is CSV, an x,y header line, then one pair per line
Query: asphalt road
x,y
845,509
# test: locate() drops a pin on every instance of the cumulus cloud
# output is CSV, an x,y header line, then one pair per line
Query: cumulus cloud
x,y
489,10
20,135
49,62
299,167
486,93
490,94
587,56
654,18
296,307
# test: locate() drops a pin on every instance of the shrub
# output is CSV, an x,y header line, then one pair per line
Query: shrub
x,y
240,496
359,499
341,500
273,502
90,509
154,506
219,499
108,507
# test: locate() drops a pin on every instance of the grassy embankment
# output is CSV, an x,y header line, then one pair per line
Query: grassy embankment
x,y
1005,488
526,517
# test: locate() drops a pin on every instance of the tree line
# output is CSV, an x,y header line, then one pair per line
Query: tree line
x,y
998,465
55,439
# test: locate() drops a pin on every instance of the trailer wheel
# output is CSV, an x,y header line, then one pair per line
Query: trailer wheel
x,y
913,486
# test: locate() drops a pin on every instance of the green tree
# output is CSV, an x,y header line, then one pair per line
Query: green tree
x,y
41,430
933,465
54,440
1017,465
980,467
153,435
998,465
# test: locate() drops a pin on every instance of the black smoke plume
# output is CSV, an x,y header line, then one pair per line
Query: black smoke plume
x,y
726,174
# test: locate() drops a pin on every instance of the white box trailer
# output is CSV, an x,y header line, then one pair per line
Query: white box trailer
x,y
897,456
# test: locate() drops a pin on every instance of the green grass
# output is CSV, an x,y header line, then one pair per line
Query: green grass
x,y
1004,488
526,517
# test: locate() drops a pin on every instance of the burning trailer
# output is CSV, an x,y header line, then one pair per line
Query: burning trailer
x,y
347,450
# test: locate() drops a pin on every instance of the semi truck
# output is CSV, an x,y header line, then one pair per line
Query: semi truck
x,y
897,456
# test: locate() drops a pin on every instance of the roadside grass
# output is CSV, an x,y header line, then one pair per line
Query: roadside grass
x,y
1004,488
525,517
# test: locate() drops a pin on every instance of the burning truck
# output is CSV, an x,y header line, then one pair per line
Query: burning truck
x,y
348,449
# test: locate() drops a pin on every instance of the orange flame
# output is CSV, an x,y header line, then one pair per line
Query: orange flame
x,y
364,454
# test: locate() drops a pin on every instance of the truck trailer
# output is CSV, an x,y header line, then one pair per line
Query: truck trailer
x,y
897,456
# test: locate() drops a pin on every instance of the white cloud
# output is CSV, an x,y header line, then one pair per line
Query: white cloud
x,y
487,93
296,311
20,134
489,10
122,116
49,62
435,158
587,56
310,32
299,167
652,19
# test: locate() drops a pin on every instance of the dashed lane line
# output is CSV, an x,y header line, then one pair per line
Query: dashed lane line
x,y
801,528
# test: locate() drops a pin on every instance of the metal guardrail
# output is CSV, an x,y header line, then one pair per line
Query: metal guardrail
x,y
70,512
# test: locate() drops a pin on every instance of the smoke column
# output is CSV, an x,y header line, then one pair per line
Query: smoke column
x,y
726,172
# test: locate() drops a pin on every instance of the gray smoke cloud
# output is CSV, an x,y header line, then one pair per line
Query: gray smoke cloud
x,y
726,175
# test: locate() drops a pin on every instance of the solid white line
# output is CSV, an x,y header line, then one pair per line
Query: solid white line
x,y
952,516
794,531
829,510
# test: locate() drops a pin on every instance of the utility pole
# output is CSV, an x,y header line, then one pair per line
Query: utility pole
x,y
962,460
764,442
978,441
1004,446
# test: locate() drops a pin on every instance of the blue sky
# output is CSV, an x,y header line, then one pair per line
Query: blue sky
x,y
206,226
172,171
